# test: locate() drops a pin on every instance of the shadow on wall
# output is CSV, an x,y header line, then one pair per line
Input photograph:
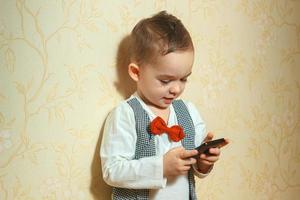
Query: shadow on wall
x,y
124,84
125,87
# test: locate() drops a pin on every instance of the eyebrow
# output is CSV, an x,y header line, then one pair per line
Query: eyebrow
x,y
171,77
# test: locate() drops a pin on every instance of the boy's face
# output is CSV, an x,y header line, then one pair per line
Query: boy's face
x,y
158,84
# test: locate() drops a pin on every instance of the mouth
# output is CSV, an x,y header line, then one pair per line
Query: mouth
x,y
168,100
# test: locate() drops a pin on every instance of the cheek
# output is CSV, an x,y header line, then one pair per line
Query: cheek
x,y
182,87
158,91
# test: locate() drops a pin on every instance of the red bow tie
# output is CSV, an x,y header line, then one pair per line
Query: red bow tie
x,y
158,126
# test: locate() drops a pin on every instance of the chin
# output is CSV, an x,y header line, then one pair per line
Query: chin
x,y
163,106
159,105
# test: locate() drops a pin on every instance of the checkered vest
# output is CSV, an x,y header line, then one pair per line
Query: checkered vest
x,y
145,146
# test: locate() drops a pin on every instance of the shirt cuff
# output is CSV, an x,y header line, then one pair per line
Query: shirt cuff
x,y
161,167
154,168
198,173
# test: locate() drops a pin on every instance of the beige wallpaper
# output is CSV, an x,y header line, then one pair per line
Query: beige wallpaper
x,y
60,75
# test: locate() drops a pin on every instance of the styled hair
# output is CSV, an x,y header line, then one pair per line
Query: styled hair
x,y
160,34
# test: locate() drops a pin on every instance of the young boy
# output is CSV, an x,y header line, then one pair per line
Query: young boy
x,y
148,143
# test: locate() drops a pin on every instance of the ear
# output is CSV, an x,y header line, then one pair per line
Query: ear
x,y
134,70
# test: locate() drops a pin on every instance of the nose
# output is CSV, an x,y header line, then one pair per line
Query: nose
x,y
175,89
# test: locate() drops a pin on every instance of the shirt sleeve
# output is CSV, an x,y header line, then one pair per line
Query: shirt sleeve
x,y
200,133
119,168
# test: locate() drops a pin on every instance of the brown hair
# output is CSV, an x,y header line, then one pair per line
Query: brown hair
x,y
160,34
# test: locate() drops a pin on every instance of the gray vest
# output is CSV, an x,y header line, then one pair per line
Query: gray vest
x,y
145,146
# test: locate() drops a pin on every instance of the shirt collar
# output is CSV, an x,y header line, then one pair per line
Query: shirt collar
x,y
151,113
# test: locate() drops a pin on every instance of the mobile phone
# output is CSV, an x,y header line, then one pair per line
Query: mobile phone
x,y
204,147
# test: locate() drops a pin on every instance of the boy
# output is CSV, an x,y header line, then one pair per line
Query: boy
x,y
148,143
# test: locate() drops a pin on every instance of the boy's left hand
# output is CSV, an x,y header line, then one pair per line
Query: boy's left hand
x,y
205,161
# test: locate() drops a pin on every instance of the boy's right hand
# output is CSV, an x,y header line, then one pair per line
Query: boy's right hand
x,y
178,161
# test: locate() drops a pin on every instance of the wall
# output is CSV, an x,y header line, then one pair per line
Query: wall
x,y
59,78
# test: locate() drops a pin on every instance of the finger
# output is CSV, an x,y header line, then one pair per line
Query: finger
x,y
214,151
209,137
188,153
227,141
178,151
206,162
184,170
189,161
209,158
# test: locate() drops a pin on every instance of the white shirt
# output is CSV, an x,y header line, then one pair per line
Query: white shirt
x,y
118,150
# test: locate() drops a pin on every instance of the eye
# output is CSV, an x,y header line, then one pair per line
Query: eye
x,y
165,81
184,80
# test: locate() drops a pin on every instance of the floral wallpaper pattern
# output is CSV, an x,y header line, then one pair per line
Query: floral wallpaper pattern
x,y
60,65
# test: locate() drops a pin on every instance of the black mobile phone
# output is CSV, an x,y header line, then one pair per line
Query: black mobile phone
x,y
204,147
